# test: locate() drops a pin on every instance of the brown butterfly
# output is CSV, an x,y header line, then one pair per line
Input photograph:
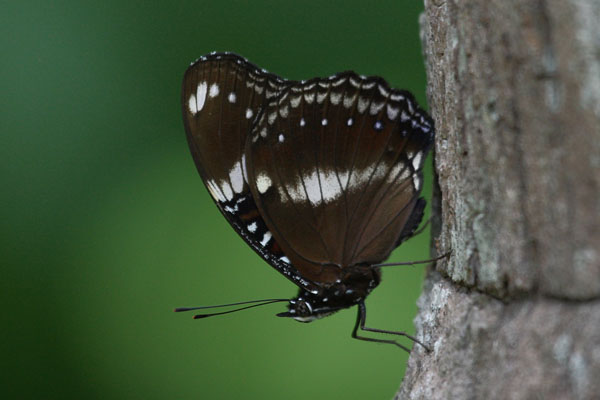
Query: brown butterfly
x,y
321,178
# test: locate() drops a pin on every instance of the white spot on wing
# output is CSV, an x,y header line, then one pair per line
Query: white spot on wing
x,y
196,103
339,82
362,104
401,169
324,122
281,138
232,97
295,101
335,98
309,97
214,191
214,90
232,210
263,183
244,171
348,101
359,177
417,182
313,190
295,193
249,113
316,188
368,85
392,112
283,98
330,185
384,92
192,104
416,162
283,111
375,108
267,236
227,191
236,177
321,97
302,122
252,227
355,82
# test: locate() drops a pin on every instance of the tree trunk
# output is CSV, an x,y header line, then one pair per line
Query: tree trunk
x,y
514,313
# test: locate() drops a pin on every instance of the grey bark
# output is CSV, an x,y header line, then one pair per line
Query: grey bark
x,y
514,313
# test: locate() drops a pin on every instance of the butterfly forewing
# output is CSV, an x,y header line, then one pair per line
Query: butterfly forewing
x,y
334,166
221,98
222,95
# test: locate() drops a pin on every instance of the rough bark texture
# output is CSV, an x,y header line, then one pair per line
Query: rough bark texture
x,y
514,313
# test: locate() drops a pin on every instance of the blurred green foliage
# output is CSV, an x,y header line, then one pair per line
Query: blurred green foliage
x,y
106,225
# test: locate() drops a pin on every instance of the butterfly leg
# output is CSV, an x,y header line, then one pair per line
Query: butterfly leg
x,y
360,323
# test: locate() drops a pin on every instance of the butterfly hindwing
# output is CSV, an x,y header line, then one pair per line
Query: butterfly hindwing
x,y
335,168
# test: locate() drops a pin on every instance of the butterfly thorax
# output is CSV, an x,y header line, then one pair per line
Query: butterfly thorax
x,y
353,286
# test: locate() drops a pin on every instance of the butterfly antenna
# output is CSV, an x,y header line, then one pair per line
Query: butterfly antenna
x,y
445,255
255,303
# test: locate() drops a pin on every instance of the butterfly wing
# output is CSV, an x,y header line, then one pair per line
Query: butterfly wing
x,y
335,168
222,96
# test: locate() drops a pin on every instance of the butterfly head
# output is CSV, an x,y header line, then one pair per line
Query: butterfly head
x,y
307,308
348,291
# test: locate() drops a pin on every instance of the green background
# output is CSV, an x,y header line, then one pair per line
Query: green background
x,y
106,225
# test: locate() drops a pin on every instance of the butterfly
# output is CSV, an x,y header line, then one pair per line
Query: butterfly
x,y
322,178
